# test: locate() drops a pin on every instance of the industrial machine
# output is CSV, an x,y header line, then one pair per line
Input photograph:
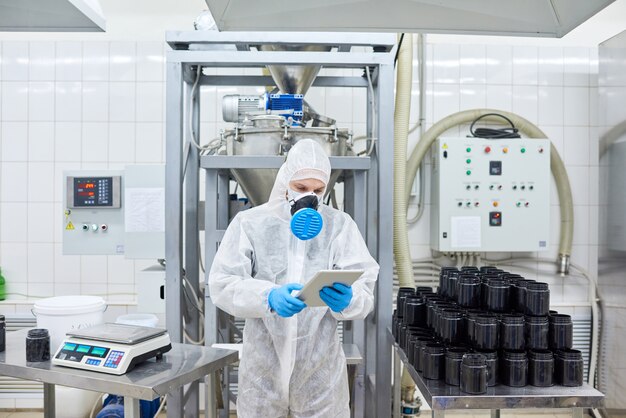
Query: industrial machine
x,y
490,195
112,348
249,153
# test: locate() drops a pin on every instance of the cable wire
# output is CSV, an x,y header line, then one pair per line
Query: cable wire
x,y
494,133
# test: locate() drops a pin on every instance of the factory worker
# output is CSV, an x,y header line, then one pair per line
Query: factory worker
x,y
292,361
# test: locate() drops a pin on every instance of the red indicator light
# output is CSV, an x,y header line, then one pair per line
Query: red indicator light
x,y
487,150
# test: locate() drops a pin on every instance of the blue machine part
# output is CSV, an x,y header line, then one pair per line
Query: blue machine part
x,y
306,223
278,102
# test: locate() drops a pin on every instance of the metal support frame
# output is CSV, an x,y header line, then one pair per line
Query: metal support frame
x,y
368,191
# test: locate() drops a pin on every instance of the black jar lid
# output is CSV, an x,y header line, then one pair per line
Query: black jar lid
x,y
456,353
537,286
38,333
560,319
489,354
536,320
569,354
540,354
524,283
514,355
469,279
452,313
512,319
434,348
474,359
486,319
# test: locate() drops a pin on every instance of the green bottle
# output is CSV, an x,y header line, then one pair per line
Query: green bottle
x,y
2,286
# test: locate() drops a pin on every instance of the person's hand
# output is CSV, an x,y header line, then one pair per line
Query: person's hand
x,y
337,296
281,301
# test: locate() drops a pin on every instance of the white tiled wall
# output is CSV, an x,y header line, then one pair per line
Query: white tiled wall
x,y
556,89
72,105
65,106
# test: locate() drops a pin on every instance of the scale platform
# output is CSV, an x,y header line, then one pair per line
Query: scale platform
x,y
111,348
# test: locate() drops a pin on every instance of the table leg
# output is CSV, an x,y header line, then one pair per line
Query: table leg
x,y
48,401
577,413
211,402
438,413
351,375
495,413
131,407
397,374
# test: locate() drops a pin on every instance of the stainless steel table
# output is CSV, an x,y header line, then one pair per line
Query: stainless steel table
x,y
442,397
181,365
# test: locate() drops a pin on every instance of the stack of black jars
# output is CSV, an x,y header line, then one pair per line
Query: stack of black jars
x,y
485,327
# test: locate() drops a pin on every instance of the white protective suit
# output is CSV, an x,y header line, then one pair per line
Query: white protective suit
x,y
290,366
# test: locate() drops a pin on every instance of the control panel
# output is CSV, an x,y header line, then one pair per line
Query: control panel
x,y
490,195
93,218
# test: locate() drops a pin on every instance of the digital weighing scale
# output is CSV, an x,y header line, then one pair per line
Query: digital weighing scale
x,y
111,348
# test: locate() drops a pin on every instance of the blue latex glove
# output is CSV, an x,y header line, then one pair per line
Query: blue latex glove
x,y
337,296
281,301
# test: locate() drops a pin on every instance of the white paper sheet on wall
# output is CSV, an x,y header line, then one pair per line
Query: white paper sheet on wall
x,y
465,232
145,209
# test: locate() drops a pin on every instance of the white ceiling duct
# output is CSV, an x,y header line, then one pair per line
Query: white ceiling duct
x,y
543,18
51,16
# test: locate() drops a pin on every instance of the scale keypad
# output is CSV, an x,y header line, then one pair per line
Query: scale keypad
x,y
114,359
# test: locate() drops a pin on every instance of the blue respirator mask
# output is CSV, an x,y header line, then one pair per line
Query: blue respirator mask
x,y
306,222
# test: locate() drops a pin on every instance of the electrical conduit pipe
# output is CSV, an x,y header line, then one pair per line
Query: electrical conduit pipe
x,y
532,131
404,265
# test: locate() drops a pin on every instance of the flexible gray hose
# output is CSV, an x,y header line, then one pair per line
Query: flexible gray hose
x,y
532,131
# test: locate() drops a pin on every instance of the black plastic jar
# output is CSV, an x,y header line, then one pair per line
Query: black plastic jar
x,y
452,281
37,345
568,367
421,290
454,356
536,332
452,326
402,334
540,368
537,299
514,368
433,314
443,280
470,321
403,293
492,361
498,295
418,355
434,361
473,377
484,289
561,333
512,332
486,332
519,290
414,354
415,311
468,291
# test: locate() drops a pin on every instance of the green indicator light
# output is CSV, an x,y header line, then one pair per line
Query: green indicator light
x,y
519,204
523,150
468,161
468,149
468,172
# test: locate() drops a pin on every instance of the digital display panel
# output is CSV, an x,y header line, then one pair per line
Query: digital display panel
x,y
69,347
83,349
98,351
93,192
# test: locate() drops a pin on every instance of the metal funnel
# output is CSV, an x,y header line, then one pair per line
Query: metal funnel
x,y
294,79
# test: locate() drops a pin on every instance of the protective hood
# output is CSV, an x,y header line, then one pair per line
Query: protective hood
x,y
306,159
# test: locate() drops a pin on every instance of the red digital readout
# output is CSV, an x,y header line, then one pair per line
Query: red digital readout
x,y
86,185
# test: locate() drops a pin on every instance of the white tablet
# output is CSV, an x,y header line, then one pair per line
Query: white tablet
x,y
311,291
